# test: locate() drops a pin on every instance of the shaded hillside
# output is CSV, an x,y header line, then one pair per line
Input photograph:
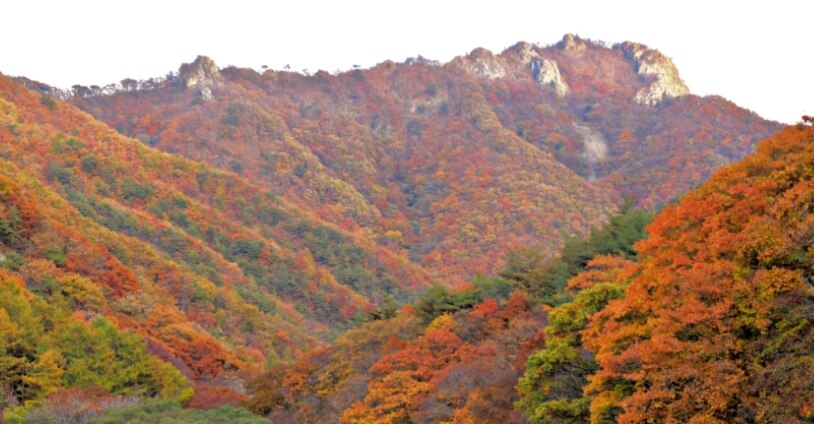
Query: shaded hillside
x,y
450,164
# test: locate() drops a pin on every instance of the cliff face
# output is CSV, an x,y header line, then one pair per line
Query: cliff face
x,y
653,64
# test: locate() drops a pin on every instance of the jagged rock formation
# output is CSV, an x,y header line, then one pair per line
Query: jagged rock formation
x,y
521,61
203,73
526,52
658,77
484,63
573,45
548,73
652,63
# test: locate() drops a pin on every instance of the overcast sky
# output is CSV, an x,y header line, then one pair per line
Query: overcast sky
x,y
758,55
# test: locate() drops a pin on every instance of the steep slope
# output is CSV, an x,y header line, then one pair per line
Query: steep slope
x,y
717,324
713,324
449,164
417,367
453,356
216,274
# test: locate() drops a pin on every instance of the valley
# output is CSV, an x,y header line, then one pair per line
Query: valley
x,y
559,233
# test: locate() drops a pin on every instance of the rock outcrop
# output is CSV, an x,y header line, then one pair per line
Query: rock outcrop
x,y
572,45
202,73
652,63
546,72
521,61
484,63
525,52
588,62
206,94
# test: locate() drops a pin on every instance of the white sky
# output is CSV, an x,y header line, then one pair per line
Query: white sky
x,y
758,55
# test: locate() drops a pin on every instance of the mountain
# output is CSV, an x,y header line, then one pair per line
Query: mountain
x,y
449,164
170,238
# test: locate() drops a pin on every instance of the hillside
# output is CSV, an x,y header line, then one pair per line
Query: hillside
x,y
710,321
213,273
453,356
448,164
713,324
716,326
397,243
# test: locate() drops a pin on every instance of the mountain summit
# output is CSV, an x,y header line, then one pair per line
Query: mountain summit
x,y
659,78
202,73
649,62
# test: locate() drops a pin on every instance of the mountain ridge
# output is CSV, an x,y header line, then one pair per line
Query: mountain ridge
x,y
647,62
357,144
226,220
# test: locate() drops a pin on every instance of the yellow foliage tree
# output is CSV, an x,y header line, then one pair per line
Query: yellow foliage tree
x,y
44,375
83,292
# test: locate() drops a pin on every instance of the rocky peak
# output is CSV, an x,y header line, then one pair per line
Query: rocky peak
x,y
525,52
484,63
202,71
544,71
651,62
572,44
521,61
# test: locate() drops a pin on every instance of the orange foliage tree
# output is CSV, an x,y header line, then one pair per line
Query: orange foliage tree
x,y
717,326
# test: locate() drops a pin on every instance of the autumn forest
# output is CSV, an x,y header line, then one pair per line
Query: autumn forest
x,y
548,234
